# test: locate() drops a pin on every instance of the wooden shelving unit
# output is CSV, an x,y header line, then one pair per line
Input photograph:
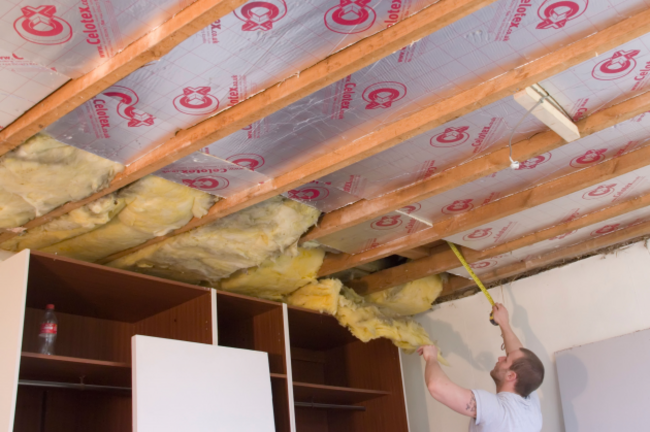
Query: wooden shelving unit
x,y
244,322
42,367
330,366
333,395
311,360
99,309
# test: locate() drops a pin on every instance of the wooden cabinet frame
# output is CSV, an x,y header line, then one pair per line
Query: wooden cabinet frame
x,y
322,378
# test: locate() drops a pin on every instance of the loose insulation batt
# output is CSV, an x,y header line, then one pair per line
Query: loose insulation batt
x,y
366,321
77,222
277,276
408,299
44,174
321,296
215,251
14,211
154,207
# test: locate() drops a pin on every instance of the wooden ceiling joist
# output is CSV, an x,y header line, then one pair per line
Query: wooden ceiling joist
x,y
497,160
152,46
457,283
337,66
496,210
349,152
443,259
415,253
455,224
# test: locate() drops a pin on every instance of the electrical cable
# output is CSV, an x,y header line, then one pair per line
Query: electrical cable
x,y
513,163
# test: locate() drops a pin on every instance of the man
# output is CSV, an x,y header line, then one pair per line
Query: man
x,y
515,407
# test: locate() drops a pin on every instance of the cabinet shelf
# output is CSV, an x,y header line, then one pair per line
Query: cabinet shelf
x,y
41,367
307,392
311,356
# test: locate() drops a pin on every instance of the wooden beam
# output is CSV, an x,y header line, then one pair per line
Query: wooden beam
x,y
504,207
337,66
548,111
457,283
444,259
497,160
152,46
415,253
348,152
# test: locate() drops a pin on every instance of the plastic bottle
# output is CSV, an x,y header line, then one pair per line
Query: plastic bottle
x,y
47,335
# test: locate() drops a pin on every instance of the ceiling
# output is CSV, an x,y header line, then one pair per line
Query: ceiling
x,y
393,118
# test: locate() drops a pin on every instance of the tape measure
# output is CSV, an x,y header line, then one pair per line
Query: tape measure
x,y
473,275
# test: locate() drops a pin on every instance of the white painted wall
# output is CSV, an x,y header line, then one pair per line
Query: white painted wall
x,y
587,301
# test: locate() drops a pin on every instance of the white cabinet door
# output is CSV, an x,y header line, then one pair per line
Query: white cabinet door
x,y
13,288
193,387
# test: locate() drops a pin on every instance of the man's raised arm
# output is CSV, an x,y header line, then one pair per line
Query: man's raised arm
x,y
502,318
442,389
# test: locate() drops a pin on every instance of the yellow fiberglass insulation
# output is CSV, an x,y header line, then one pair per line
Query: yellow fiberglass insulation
x,y
45,174
408,299
277,276
14,211
322,296
154,207
214,251
366,321
78,221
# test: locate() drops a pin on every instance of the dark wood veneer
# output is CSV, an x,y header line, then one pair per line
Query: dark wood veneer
x,y
100,309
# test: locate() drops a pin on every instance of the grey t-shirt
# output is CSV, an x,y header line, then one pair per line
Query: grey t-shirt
x,y
506,412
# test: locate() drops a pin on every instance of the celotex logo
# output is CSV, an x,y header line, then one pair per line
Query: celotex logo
x,y
196,101
126,108
250,161
387,222
588,158
458,206
620,64
411,208
207,183
534,162
311,193
383,94
478,234
41,26
599,192
260,15
483,264
605,230
350,16
450,137
555,14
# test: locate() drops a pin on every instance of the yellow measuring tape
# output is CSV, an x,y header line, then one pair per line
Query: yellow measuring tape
x,y
473,275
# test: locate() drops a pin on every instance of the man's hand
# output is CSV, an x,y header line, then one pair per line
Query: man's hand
x,y
500,314
501,317
428,352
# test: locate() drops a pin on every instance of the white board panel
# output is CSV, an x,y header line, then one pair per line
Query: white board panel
x,y
604,385
287,356
13,288
186,386
213,313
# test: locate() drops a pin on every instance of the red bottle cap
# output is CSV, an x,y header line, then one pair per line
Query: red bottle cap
x,y
49,307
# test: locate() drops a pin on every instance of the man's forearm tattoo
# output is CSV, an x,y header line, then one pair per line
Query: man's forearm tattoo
x,y
471,405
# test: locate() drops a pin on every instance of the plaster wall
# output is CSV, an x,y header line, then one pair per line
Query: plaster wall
x,y
587,301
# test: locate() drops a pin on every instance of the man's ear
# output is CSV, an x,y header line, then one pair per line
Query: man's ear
x,y
511,376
